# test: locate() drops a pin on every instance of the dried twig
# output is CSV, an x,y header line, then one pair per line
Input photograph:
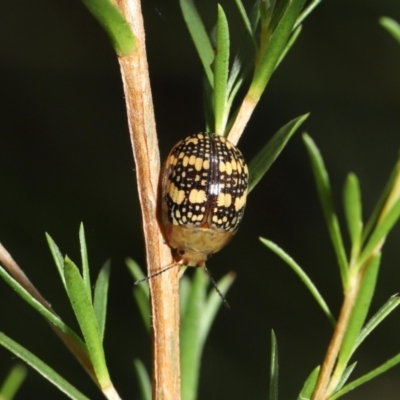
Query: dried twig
x,y
164,289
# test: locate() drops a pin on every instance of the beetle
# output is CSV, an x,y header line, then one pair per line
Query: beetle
x,y
203,193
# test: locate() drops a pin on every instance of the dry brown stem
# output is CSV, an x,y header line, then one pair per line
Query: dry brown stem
x,y
245,112
164,289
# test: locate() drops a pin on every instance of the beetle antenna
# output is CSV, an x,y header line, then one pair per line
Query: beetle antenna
x,y
157,273
226,304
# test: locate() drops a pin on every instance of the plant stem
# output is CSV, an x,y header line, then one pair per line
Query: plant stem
x,y
164,288
320,392
246,109
326,385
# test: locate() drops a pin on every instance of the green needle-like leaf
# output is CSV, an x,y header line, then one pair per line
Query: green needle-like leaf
x,y
269,17
271,14
267,9
101,296
143,379
246,22
196,320
45,312
394,176
274,369
140,292
382,313
309,385
213,304
41,367
380,232
13,382
391,26
221,72
353,210
199,36
255,16
359,314
307,11
208,105
292,40
367,377
57,257
191,346
87,320
325,195
260,164
85,261
346,374
185,286
273,48
243,64
302,275
114,23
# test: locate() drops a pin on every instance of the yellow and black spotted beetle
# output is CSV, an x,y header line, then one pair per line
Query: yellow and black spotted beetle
x,y
204,189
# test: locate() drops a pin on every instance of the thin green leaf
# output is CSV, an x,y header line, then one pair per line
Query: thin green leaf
x,y
246,22
267,16
221,72
243,66
309,385
233,88
185,286
45,312
87,320
101,296
41,367
235,71
325,195
213,304
267,9
306,12
208,105
255,16
143,379
353,211
274,369
302,275
57,257
260,164
359,314
243,63
113,22
376,319
191,345
140,292
85,261
13,382
367,377
382,200
292,40
136,273
346,374
380,232
277,13
271,52
199,36
391,26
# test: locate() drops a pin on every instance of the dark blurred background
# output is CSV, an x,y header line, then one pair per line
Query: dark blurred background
x,y
65,157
